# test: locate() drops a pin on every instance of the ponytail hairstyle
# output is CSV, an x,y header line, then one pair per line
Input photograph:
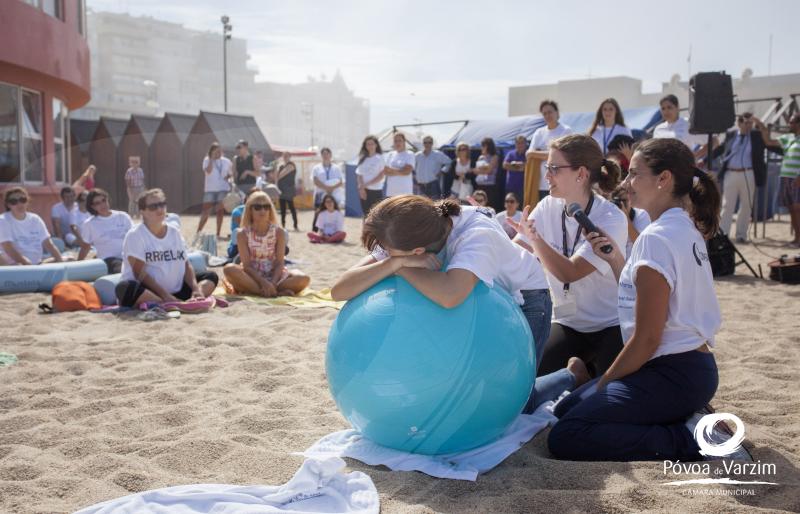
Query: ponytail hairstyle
x,y
619,119
581,150
674,156
406,222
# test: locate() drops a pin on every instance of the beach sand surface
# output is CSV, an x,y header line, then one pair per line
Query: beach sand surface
x,y
100,406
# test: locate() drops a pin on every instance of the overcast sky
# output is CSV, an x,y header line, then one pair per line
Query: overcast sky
x,y
443,60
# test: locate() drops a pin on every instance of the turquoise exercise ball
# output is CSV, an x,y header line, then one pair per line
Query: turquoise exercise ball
x,y
414,376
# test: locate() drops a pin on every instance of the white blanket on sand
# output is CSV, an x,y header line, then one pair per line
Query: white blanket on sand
x,y
461,466
317,487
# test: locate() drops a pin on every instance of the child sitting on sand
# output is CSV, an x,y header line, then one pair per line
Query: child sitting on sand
x,y
330,222
262,244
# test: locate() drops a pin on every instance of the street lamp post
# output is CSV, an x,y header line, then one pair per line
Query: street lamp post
x,y
226,35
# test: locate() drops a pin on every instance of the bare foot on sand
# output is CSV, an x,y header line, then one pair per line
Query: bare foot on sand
x,y
578,370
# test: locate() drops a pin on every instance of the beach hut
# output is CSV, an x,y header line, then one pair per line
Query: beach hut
x,y
80,138
103,154
227,130
136,140
167,158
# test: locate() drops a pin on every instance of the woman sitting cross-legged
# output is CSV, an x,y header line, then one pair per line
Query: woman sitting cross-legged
x,y
330,222
23,235
106,230
155,265
261,243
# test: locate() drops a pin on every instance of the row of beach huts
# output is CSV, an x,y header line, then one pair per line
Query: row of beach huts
x,y
171,148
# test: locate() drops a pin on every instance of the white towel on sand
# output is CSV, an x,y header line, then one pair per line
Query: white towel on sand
x,y
317,487
460,466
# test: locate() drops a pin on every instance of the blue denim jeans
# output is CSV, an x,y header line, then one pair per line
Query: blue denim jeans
x,y
538,309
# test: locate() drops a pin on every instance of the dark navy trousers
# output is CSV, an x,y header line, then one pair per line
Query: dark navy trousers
x,y
639,417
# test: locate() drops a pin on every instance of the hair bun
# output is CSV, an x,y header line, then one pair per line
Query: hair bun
x,y
448,208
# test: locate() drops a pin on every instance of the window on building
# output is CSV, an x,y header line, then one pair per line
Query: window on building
x,y
81,18
59,139
31,124
9,141
53,8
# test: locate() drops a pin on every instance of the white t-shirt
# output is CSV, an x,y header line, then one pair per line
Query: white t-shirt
x,y
400,185
672,246
329,177
640,221
216,180
541,142
330,222
369,169
478,244
501,219
107,233
59,214
165,259
594,295
27,235
604,136
79,217
679,130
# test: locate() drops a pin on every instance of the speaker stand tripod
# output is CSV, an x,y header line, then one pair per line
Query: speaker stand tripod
x,y
709,162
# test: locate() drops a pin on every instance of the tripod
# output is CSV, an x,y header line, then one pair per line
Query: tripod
x,y
722,239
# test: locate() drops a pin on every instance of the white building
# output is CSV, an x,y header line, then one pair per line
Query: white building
x,y
586,95
141,65
316,113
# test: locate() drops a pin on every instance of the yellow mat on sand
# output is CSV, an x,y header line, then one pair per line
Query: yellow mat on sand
x,y
308,299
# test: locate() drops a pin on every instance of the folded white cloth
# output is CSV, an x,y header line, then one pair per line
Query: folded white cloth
x,y
317,487
460,466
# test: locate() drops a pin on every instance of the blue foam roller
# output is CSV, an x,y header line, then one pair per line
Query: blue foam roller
x,y
414,376
42,277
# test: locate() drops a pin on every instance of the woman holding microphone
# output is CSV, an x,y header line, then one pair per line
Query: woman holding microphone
x,y
638,408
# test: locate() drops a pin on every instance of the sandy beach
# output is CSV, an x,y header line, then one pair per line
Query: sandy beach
x,y
100,405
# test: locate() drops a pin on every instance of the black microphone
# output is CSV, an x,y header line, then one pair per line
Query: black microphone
x,y
583,220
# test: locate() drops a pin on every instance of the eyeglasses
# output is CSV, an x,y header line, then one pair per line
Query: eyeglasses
x,y
553,168
156,206
99,201
17,199
427,142
260,206
511,201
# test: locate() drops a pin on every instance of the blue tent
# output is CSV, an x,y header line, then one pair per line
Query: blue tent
x,y
505,130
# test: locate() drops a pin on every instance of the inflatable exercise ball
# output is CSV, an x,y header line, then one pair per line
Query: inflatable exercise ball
x,y
414,376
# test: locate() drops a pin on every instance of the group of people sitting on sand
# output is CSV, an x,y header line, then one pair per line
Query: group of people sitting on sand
x,y
152,256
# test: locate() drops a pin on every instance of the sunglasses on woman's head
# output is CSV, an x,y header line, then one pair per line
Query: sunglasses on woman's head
x,y
16,200
260,206
156,206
